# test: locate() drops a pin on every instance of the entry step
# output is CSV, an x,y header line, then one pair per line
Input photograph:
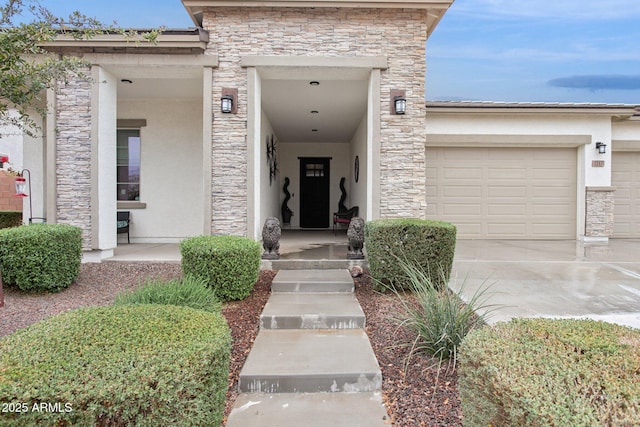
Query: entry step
x,y
331,280
309,361
319,310
309,410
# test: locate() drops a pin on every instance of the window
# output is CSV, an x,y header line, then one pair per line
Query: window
x,y
314,170
128,164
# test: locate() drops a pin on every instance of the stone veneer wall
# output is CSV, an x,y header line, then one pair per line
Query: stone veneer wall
x,y
599,212
398,34
73,156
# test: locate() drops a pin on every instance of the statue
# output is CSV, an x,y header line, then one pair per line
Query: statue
x,y
286,212
355,234
341,206
271,238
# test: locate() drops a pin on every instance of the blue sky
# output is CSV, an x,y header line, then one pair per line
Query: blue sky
x,y
488,50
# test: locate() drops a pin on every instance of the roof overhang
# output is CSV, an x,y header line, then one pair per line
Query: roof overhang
x,y
615,111
436,8
188,41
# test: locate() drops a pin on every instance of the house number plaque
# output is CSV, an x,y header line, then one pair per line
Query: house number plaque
x,y
597,163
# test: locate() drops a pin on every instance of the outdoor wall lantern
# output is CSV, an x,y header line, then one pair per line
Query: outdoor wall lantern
x,y
398,102
227,104
229,101
601,147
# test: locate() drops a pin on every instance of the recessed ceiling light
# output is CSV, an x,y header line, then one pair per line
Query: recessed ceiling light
x,y
314,83
314,111
127,81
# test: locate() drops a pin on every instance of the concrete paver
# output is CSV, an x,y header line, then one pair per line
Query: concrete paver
x,y
312,311
305,409
289,361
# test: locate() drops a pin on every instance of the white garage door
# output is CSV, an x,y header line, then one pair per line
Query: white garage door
x,y
625,177
504,193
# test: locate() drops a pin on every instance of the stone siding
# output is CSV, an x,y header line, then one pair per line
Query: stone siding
x,y
73,156
599,213
399,35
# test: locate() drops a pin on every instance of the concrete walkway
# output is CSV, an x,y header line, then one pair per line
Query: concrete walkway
x,y
312,363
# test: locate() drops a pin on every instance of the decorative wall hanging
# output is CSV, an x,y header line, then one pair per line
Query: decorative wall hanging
x,y
272,161
356,169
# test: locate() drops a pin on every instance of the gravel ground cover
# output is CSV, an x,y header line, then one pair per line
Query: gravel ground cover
x,y
416,394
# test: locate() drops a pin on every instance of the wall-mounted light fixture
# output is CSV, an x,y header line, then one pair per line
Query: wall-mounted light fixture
x,y
229,101
601,147
398,102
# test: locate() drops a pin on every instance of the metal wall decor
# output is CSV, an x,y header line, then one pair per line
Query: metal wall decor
x,y
272,161
356,168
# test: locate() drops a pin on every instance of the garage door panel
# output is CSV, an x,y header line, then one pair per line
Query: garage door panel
x,y
464,191
506,209
459,173
461,210
516,193
506,173
504,191
508,230
625,177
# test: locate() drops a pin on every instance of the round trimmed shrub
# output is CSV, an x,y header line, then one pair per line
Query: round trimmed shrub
x,y
143,365
40,257
229,264
551,372
427,244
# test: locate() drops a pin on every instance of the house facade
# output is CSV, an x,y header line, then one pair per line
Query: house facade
x,y
312,88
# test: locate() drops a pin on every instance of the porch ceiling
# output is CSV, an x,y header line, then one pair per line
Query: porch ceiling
x,y
301,112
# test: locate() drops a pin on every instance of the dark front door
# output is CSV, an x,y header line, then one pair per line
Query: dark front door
x,y
314,192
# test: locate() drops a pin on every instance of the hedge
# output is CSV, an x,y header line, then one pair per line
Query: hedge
x,y
545,372
229,264
143,365
10,219
40,257
427,244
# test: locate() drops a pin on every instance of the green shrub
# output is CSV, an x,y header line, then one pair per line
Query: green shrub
x,y
425,243
229,264
438,318
40,257
10,219
189,291
545,372
142,365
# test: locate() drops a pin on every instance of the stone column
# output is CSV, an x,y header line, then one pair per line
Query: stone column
x,y
73,156
599,219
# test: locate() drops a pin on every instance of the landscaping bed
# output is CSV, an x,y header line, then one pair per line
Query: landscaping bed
x,y
419,397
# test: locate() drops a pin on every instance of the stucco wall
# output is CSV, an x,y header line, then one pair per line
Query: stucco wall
x,y
397,34
358,193
270,186
171,180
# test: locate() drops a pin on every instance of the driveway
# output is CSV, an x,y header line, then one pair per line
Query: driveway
x,y
564,279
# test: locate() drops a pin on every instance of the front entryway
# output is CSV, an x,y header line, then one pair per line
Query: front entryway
x,y
314,192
